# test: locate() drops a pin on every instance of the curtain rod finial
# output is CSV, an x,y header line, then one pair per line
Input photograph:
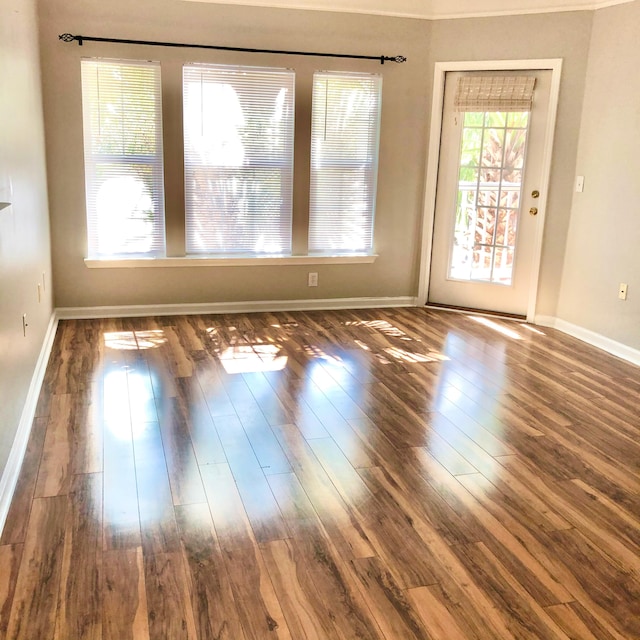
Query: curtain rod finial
x,y
66,37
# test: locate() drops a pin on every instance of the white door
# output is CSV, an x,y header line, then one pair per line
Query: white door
x,y
489,177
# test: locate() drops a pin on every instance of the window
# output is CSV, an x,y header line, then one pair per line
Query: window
x,y
344,161
238,153
123,158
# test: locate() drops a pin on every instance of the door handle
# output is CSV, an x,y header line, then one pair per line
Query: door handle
x,y
533,211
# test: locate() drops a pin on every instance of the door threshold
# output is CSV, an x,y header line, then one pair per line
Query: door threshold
x,y
476,312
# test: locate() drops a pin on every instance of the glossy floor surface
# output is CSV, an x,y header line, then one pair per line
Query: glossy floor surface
x,y
372,474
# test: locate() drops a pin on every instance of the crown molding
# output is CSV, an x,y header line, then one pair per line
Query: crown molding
x,y
412,9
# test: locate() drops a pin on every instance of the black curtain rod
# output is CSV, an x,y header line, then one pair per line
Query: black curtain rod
x,y
68,37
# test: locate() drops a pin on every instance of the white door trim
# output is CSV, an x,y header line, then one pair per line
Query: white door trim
x,y
433,155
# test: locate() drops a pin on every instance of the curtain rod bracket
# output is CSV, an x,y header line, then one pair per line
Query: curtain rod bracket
x,y
69,37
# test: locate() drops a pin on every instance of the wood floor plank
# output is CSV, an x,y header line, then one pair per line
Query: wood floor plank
x,y
390,605
319,597
391,415
336,516
614,592
10,556
384,522
265,445
522,615
577,623
527,505
307,615
80,606
125,615
204,437
289,387
18,516
505,536
121,520
159,532
380,473
258,607
54,473
168,599
340,429
179,455
35,602
250,479
612,533
213,389
428,513
212,601
436,618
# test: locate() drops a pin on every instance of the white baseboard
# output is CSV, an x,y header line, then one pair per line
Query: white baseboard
x,y
11,472
129,311
591,337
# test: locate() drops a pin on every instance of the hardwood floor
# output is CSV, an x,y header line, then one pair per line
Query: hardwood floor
x,y
380,474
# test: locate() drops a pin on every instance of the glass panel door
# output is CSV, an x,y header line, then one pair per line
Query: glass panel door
x,y
489,176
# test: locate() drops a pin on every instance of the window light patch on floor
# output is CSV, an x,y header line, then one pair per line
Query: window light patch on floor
x,y
402,354
252,358
491,324
533,329
239,354
134,340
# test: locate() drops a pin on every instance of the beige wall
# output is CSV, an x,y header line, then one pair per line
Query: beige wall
x,y
604,237
402,158
24,227
406,105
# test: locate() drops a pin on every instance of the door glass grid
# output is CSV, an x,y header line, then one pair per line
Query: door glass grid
x,y
491,167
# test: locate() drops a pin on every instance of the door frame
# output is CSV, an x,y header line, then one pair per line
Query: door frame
x,y
433,156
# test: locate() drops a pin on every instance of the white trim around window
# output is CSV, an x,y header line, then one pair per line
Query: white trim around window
x,y
246,261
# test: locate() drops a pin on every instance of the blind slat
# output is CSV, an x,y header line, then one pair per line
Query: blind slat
x,y
238,134
122,118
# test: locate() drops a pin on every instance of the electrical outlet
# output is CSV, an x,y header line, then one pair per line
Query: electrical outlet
x,y
312,280
39,292
24,325
622,291
579,184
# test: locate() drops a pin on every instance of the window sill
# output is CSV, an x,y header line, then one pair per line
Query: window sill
x,y
208,261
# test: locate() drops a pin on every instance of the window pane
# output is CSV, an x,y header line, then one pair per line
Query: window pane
x,y
344,161
489,198
122,115
238,136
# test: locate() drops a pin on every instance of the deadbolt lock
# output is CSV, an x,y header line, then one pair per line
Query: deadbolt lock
x,y
533,211
535,193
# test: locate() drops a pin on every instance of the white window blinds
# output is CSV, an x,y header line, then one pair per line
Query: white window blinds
x,y
494,93
238,155
122,116
345,133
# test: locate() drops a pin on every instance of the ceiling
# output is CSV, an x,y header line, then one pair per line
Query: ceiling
x,y
431,9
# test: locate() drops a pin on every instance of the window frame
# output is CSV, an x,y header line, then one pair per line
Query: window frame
x,y
252,106
368,161
180,258
93,160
